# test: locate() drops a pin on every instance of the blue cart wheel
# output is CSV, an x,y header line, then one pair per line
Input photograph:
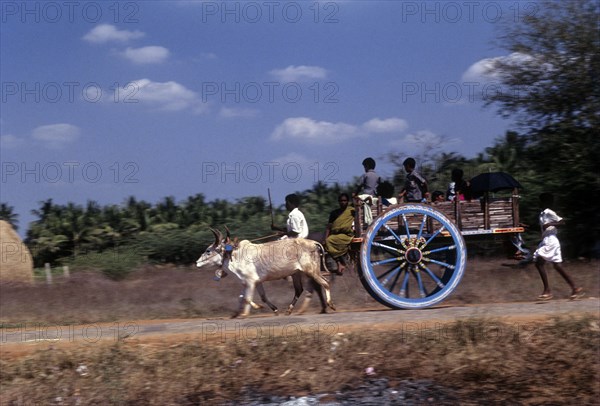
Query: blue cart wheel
x,y
412,257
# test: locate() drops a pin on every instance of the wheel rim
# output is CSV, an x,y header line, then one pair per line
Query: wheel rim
x,y
412,257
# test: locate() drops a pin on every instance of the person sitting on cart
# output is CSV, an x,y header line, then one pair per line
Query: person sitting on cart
x,y
367,189
459,189
339,234
437,196
385,190
369,180
415,186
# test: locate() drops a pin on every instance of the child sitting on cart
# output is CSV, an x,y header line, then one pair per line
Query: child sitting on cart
x,y
415,187
367,189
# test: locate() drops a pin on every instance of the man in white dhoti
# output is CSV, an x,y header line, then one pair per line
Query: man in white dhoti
x,y
549,249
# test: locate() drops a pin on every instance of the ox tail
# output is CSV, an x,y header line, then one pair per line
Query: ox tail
x,y
322,281
321,251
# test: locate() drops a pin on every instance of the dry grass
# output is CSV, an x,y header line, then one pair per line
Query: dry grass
x,y
552,362
555,363
168,292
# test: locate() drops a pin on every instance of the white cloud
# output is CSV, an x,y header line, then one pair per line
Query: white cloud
x,y
483,70
56,135
480,71
106,32
324,132
146,55
299,73
377,125
307,129
228,112
10,141
166,96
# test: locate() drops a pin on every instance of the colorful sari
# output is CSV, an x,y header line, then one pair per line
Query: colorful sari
x,y
341,234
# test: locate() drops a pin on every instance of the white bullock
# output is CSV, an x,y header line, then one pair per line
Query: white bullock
x,y
254,264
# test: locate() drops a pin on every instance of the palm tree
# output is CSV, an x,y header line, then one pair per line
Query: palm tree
x,y
507,152
77,225
137,214
45,236
194,211
7,214
166,211
46,209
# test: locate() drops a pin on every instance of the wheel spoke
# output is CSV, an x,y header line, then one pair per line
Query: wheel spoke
x,y
404,286
417,274
387,247
399,262
421,228
435,235
396,278
437,281
440,263
448,248
389,271
405,225
389,275
393,233
386,261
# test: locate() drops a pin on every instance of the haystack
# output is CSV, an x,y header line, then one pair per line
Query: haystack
x,y
16,263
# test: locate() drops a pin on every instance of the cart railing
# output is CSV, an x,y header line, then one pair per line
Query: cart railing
x,y
487,215
414,255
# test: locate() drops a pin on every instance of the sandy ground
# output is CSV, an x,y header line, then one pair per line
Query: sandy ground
x,y
165,336
162,301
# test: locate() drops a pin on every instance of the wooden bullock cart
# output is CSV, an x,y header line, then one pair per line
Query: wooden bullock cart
x,y
414,255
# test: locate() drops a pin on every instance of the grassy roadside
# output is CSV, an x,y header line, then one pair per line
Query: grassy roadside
x,y
168,292
478,361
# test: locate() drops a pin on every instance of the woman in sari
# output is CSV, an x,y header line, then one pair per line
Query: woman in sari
x,y
339,232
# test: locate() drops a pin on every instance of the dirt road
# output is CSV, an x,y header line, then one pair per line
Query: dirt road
x,y
172,305
22,339
172,329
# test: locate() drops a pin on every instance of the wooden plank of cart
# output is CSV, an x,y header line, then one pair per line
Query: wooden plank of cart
x,y
414,255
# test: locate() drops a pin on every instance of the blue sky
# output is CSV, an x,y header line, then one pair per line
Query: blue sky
x,y
104,100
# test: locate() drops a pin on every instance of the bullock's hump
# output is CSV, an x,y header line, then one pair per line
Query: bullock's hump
x,y
307,244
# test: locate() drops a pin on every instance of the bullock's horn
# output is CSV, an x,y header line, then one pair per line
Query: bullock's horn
x,y
228,234
218,236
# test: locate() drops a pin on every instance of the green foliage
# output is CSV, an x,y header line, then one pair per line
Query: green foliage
x,y
115,263
549,85
7,214
551,75
174,245
166,232
318,202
